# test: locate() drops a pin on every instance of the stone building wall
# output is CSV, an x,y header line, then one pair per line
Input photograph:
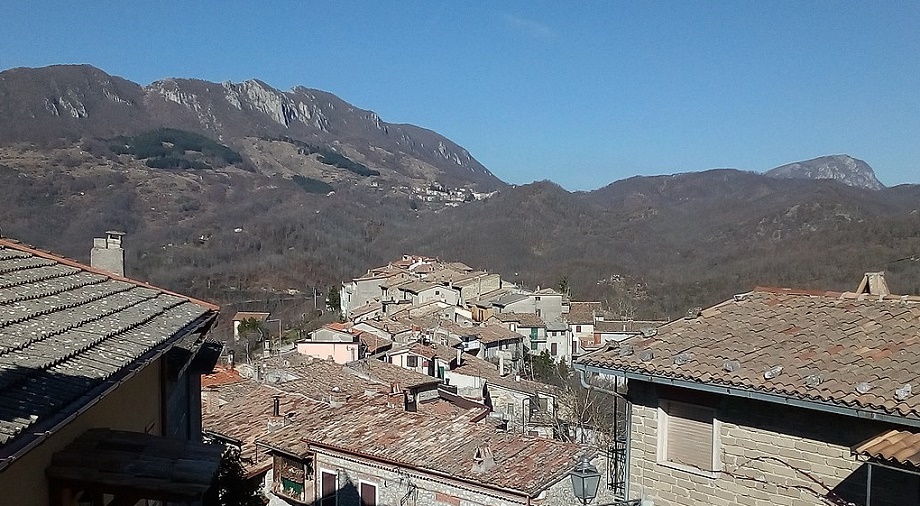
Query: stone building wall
x,y
401,486
770,455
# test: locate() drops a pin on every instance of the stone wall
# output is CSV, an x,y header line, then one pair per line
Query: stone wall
x,y
401,486
770,455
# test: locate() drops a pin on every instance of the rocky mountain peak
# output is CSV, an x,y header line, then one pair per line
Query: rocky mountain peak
x,y
843,168
82,102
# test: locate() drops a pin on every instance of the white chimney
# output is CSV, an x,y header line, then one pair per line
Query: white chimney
x,y
107,254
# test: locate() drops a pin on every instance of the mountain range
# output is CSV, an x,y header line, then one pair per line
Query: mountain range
x,y
240,191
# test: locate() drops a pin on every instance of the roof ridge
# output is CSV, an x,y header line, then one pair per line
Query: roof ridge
x,y
73,263
796,291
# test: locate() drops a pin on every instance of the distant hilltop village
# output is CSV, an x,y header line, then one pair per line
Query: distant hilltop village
x,y
427,293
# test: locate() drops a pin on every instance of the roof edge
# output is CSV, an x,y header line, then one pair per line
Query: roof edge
x,y
749,393
73,263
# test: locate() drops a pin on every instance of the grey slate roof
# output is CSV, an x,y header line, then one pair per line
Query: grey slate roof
x,y
66,328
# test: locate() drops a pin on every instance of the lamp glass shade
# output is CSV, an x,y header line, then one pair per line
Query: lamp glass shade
x,y
585,479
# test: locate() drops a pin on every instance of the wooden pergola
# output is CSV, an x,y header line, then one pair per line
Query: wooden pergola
x,y
105,467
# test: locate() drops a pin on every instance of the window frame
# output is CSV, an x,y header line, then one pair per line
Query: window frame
x,y
361,483
664,427
335,496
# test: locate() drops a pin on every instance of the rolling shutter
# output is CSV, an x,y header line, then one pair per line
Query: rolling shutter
x,y
690,436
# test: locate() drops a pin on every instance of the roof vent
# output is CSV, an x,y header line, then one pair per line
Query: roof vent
x,y
738,297
773,372
693,312
731,365
863,387
683,358
813,380
901,394
646,355
626,350
874,283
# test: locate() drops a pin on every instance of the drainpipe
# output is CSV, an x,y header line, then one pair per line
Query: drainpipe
x,y
581,379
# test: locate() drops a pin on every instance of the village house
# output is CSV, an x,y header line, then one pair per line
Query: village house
x,y
559,341
517,403
492,342
342,343
245,316
99,384
327,404
388,328
414,457
582,317
528,325
420,292
776,396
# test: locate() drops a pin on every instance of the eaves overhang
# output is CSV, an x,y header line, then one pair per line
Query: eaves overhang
x,y
750,393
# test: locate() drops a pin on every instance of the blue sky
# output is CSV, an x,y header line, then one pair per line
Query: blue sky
x,y
583,94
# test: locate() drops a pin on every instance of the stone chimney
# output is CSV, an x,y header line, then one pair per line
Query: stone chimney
x,y
483,460
107,254
873,283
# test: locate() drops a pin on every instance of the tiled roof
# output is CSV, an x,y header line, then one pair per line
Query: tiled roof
x,y
221,376
388,374
432,350
522,319
898,446
486,299
374,342
420,286
369,307
474,366
848,350
66,329
372,429
509,298
245,315
582,313
487,334
388,325
626,325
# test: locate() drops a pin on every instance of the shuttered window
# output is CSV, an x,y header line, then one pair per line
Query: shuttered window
x,y
368,494
328,490
689,436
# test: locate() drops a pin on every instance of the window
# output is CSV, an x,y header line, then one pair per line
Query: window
x,y
412,361
577,328
553,349
368,494
688,438
328,489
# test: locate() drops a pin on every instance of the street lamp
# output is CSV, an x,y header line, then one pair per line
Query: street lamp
x,y
585,479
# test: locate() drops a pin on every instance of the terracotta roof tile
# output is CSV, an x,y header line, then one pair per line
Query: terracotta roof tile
x,y
373,429
582,313
840,338
898,446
